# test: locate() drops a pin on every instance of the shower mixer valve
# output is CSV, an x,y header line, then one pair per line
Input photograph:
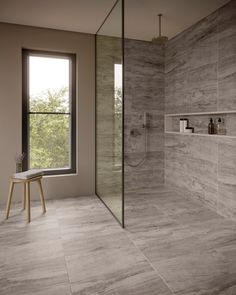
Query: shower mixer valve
x,y
146,120
146,125
135,132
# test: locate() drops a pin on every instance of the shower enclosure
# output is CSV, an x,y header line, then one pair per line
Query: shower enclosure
x,y
130,151
146,152
109,112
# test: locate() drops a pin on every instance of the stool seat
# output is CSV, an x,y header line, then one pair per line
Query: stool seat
x,y
29,174
26,180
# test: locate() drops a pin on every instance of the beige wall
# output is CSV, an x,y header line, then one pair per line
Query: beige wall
x,y
13,38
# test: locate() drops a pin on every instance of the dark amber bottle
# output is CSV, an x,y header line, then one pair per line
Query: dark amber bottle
x,y
211,127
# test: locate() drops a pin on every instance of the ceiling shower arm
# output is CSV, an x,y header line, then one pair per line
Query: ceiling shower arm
x,y
159,16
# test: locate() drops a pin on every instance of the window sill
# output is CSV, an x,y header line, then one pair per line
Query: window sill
x,y
60,175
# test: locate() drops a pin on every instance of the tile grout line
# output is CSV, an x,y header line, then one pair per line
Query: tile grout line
x,y
66,267
132,242
154,268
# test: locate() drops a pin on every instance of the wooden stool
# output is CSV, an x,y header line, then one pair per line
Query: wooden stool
x,y
26,196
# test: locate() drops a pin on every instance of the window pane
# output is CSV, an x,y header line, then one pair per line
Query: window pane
x,y
49,141
49,84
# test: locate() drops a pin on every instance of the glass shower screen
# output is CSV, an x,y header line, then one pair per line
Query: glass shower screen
x,y
109,112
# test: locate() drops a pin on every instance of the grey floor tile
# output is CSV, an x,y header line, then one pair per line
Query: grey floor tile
x,y
102,268
31,277
171,245
204,272
147,283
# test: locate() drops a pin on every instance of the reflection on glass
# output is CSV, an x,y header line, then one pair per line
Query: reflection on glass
x,y
109,117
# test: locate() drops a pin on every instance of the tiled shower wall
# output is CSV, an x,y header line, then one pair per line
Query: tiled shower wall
x,y
200,76
144,92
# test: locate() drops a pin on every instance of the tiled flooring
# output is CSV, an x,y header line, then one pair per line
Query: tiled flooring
x,y
171,245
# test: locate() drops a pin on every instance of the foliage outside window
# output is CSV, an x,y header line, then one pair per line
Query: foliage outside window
x,y
117,115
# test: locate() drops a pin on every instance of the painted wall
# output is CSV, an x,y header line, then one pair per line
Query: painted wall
x,y
200,76
13,38
144,92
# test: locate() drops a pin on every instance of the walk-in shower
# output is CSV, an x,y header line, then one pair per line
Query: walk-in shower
x,y
143,90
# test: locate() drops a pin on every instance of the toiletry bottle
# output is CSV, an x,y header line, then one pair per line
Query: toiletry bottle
x,y
220,127
223,127
215,126
185,124
189,130
181,125
211,127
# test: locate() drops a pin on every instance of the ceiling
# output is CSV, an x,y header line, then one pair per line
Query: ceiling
x,y
87,15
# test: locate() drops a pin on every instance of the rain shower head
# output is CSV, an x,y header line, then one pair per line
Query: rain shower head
x,y
160,39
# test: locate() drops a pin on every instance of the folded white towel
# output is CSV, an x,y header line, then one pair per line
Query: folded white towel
x,y
28,174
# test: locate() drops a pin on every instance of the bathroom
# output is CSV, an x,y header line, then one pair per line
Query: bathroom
x,y
149,207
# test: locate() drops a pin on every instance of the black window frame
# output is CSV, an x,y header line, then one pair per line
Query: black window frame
x,y
26,53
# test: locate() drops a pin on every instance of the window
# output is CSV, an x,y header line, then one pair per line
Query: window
x,y
49,111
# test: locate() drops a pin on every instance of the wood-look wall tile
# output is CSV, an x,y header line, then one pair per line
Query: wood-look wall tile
x,y
227,57
202,89
144,92
227,178
201,77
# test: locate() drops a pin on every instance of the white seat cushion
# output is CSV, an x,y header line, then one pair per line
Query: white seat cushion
x,y
28,174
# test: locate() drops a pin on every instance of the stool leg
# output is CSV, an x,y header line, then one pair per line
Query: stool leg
x,y
42,196
28,201
9,199
24,197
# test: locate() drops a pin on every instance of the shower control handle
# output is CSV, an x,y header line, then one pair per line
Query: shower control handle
x,y
146,118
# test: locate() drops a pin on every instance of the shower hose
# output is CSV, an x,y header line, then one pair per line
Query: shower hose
x,y
145,152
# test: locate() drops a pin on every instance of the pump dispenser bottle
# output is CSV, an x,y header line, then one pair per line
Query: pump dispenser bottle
x,y
220,127
211,127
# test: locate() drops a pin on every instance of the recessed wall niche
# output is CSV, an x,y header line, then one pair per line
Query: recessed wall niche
x,y
200,121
